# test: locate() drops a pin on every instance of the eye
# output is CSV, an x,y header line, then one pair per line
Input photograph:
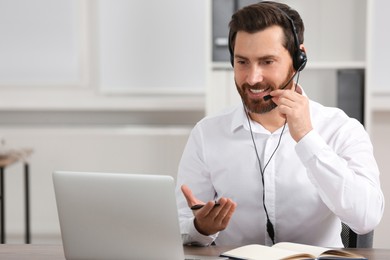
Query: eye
x,y
241,61
267,62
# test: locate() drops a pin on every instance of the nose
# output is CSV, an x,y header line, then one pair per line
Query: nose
x,y
254,76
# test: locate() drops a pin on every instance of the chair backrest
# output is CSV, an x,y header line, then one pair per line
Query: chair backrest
x,y
352,240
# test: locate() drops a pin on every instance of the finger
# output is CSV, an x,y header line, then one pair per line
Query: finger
x,y
277,92
286,102
213,212
191,199
222,219
209,210
226,220
226,211
289,94
280,96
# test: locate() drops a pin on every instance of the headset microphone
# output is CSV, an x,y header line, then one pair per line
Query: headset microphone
x,y
267,97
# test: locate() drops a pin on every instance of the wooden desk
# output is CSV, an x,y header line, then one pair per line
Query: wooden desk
x,y
7,159
55,252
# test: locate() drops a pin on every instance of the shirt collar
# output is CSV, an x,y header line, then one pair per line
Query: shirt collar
x,y
239,118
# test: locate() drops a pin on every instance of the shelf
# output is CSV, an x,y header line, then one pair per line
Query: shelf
x,y
315,65
90,101
336,65
380,102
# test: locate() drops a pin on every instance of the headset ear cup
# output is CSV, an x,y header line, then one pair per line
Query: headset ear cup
x,y
300,60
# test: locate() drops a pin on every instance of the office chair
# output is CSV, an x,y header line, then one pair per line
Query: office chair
x,y
352,240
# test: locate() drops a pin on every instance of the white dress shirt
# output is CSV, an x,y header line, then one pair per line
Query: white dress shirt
x,y
330,176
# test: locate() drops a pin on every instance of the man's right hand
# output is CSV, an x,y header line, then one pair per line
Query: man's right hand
x,y
209,219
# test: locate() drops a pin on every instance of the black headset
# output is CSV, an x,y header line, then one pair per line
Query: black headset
x,y
299,57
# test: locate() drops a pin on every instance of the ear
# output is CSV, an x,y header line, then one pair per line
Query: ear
x,y
302,48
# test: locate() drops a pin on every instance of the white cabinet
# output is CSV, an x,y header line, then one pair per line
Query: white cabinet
x,y
104,55
378,100
378,56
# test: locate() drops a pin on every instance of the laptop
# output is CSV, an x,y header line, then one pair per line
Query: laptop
x,y
118,216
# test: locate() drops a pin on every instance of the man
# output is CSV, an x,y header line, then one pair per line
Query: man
x,y
280,167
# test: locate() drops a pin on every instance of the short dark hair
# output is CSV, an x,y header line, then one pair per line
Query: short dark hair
x,y
257,17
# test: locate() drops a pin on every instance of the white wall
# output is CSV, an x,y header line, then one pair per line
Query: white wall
x,y
149,150
84,83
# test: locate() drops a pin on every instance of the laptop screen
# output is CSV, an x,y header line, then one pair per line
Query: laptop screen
x,y
117,216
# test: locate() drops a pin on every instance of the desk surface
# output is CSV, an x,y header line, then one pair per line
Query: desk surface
x,y
12,156
55,252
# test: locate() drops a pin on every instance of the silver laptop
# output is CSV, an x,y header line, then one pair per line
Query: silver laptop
x,y
117,216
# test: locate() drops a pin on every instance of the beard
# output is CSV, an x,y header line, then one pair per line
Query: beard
x,y
259,105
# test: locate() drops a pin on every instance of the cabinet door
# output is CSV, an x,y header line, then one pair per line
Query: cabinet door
x,y
152,46
40,47
379,42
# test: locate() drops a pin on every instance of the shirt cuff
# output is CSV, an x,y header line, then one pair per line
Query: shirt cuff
x,y
197,238
309,146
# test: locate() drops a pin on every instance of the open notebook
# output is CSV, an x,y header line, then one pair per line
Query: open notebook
x,y
118,216
290,251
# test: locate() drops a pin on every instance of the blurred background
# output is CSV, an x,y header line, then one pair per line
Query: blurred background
x,y
117,86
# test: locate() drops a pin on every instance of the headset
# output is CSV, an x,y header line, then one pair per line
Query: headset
x,y
299,57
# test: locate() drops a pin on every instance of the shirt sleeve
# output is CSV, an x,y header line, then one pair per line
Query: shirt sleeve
x,y
346,175
191,236
193,172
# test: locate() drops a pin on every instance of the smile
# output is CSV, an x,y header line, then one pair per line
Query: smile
x,y
257,91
